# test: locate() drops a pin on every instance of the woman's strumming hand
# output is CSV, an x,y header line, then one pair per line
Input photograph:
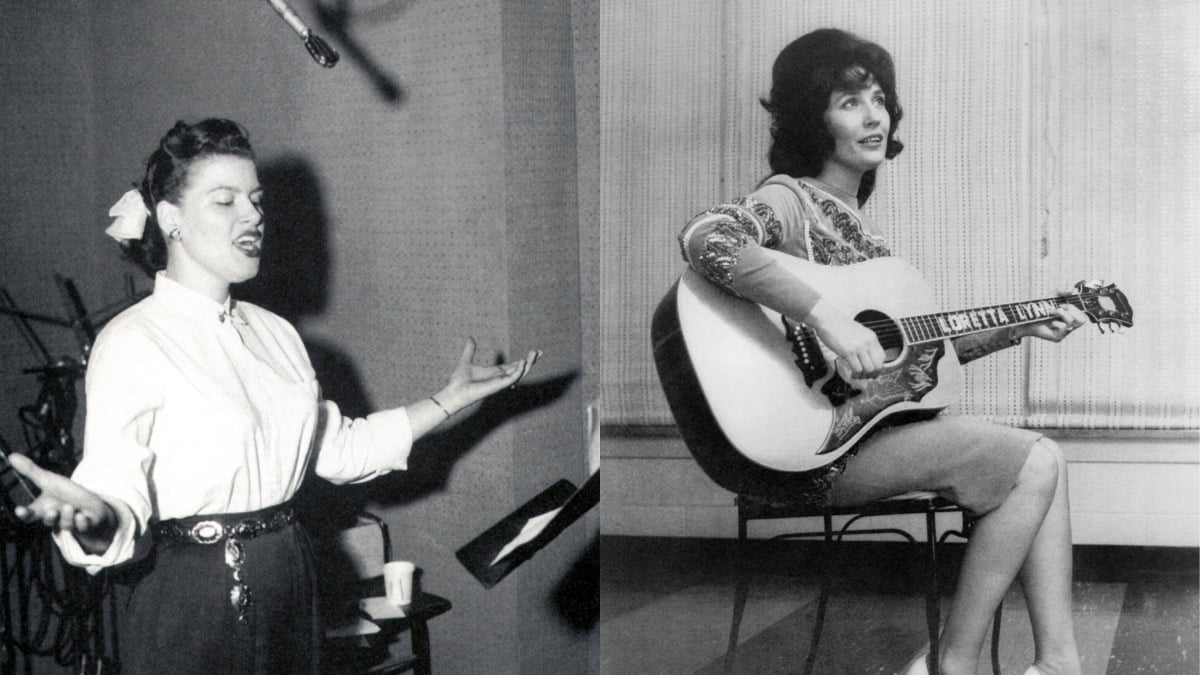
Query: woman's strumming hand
x,y
855,344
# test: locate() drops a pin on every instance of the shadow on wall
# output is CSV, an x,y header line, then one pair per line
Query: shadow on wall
x,y
576,597
434,456
293,281
339,19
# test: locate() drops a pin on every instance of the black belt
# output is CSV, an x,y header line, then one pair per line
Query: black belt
x,y
211,529
232,528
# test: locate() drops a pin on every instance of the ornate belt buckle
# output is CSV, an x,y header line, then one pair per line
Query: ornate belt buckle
x,y
207,532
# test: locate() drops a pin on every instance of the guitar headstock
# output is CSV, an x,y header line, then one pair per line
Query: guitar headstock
x,y
1105,305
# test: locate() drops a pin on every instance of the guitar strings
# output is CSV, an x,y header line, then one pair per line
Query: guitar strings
x,y
892,327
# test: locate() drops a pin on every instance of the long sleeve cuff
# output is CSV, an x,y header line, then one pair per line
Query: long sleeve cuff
x,y
124,546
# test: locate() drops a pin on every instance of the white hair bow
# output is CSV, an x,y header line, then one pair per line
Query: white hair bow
x,y
129,215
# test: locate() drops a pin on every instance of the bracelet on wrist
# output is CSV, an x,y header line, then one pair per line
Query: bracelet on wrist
x,y
440,407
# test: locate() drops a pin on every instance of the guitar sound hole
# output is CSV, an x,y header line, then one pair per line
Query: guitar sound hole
x,y
886,329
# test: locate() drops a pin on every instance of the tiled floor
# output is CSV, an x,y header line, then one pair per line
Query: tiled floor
x,y
666,607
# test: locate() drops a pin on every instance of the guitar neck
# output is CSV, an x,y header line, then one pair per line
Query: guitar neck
x,y
943,325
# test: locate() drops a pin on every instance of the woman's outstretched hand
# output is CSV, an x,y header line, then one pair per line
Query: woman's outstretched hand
x,y
66,506
471,382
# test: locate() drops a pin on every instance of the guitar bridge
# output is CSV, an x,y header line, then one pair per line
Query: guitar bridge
x,y
807,351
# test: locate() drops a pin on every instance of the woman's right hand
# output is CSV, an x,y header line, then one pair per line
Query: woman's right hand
x,y
853,343
66,506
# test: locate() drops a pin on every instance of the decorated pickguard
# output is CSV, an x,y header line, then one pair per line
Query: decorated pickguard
x,y
909,380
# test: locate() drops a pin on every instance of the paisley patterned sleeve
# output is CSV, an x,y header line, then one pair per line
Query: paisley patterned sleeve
x,y
978,345
725,244
713,242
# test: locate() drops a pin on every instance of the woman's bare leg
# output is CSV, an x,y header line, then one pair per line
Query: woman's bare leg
x,y
1046,579
1028,533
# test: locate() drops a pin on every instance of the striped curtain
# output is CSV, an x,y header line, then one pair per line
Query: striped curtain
x,y
1047,142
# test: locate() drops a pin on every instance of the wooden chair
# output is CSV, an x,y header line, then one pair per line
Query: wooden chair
x,y
357,640
763,493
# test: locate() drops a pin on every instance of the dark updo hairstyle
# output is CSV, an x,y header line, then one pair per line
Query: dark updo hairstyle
x,y
167,176
804,76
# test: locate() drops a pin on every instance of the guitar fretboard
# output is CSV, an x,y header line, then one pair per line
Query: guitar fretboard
x,y
934,327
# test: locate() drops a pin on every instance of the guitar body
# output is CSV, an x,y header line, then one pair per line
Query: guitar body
x,y
749,371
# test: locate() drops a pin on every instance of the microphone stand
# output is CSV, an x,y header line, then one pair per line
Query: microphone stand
x,y
68,600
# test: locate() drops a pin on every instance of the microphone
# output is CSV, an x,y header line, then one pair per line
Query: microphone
x,y
320,50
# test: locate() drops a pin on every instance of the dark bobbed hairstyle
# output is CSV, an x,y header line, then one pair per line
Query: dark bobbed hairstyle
x,y
167,176
804,76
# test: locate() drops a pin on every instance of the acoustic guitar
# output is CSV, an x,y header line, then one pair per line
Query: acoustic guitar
x,y
783,399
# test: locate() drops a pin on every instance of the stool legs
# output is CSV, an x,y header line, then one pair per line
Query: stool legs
x,y
739,605
420,648
996,640
933,618
823,599
739,596
932,590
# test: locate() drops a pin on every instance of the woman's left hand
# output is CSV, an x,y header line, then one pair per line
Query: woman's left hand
x,y
470,382
1066,319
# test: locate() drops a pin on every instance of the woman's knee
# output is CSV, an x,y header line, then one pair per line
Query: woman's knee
x,y
1042,466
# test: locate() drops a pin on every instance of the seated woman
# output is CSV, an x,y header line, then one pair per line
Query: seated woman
x,y
835,113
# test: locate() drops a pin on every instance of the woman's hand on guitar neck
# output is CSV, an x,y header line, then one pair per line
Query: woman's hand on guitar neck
x,y
855,344
1056,328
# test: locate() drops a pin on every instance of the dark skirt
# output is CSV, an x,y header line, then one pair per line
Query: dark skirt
x,y
178,618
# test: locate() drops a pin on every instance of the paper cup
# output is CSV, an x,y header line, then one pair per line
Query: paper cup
x,y
398,582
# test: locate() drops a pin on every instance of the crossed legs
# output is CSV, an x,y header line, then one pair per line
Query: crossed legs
x,y
1028,535
1025,531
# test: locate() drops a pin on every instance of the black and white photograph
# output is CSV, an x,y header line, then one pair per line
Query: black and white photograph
x,y
600,337
776,176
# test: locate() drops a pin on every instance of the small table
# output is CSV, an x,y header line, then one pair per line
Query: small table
x,y
383,621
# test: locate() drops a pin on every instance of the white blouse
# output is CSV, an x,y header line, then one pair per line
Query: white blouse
x,y
197,407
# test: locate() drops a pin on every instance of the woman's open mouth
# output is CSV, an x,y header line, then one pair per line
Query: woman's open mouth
x,y
249,244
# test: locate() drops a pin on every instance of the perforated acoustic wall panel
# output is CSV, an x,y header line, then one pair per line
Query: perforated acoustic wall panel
x,y
454,212
585,14
1036,155
44,193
